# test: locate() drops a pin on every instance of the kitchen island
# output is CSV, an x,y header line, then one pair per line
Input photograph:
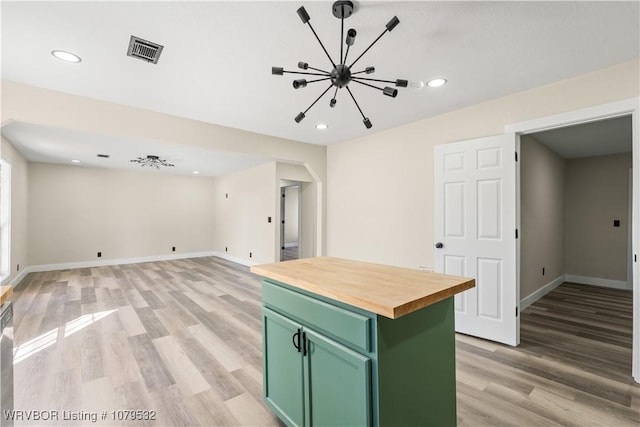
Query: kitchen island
x,y
352,343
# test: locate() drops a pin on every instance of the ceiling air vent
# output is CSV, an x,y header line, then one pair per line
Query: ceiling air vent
x,y
144,49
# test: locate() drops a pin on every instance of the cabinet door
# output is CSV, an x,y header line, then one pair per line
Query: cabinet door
x,y
338,384
283,382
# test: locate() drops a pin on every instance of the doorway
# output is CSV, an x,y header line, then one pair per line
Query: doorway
x,y
629,109
290,221
575,231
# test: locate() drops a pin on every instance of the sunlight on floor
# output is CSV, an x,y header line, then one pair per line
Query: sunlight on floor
x,y
49,338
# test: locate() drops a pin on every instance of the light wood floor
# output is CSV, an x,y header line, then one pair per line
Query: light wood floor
x,y
183,338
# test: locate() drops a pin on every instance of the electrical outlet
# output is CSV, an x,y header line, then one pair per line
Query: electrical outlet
x,y
269,219
616,223
543,271
226,195
250,254
226,249
18,267
99,254
173,248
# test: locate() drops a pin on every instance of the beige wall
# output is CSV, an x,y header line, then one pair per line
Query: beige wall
x,y
380,187
597,190
240,220
19,205
542,198
75,211
41,106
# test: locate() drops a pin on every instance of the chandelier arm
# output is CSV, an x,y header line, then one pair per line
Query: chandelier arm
x,y
322,45
317,69
375,80
356,102
341,32
367,84
310,74
318,80
346,54
318,98
371,45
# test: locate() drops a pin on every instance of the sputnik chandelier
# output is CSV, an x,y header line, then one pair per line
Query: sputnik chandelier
x,y
341,74
152,161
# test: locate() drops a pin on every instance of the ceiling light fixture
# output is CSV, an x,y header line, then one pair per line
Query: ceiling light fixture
x,y
75,161
152,161
196,172
341,74
436,82
321,126
66,56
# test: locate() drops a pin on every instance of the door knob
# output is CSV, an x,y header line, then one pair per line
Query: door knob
x,y
439,245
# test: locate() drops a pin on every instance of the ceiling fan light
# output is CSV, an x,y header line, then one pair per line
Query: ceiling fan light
x,y
303,65
351,37
370,70
332,103
300,83
277,71
367,123
299,117
389,91
304,16
402,83
393,23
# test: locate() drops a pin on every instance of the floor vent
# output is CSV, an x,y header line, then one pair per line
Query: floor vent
x,y
144,49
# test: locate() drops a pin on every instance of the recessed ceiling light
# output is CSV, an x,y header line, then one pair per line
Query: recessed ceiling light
x,y
321,126
196,172
66,56
75,161
436,82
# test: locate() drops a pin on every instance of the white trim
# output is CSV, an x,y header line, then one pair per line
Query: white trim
x,y
585,115
237,260
113,261
595,281
18,278
527,301
291,245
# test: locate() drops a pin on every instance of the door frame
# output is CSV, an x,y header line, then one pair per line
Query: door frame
x,y
606,111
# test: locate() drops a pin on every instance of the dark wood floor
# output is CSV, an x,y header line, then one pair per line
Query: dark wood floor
x,y
183,338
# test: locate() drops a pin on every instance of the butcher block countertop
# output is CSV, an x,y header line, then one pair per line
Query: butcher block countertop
x,y
5,293
388,291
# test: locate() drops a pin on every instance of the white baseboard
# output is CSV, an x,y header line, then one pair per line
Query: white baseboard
x,y
291,245
595,281
16,280
527,301
237,260
104,262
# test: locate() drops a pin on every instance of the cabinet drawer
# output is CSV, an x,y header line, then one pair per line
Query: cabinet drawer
x,y
348,326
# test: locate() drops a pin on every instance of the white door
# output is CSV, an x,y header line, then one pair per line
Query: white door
x,y
475,232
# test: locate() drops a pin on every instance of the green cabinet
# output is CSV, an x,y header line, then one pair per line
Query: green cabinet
x,y
327,363
311,379
283,368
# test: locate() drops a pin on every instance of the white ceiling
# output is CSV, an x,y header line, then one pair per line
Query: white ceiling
x,y
599,138
217,57
47,144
